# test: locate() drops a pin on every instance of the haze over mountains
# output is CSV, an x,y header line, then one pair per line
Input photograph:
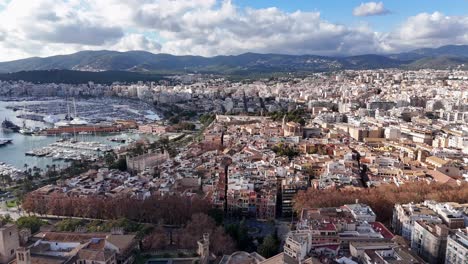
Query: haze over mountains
x,y
445,57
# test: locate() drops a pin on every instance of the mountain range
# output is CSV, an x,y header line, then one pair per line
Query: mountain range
x,y
142,62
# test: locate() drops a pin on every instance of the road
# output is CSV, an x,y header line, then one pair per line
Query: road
x,y
13,212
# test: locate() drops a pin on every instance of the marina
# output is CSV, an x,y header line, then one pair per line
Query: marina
x,y
51,111
71,150
31,117
120,139
7,170
22,142
82,130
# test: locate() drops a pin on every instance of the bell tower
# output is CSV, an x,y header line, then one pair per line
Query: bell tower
x,y
23,256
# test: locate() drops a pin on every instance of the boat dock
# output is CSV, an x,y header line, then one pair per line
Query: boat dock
x,y
81,129
9,170
71,150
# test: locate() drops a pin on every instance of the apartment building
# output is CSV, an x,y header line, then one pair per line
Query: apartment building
x,y
288,190
361,212
383,252
430,241
452,214
457,248
298,244
405,215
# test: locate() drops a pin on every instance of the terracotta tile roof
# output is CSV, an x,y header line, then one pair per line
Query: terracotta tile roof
x,y
328,227
120,241
437,160
440,177
45,260
278,259
95,255
379,227
123,242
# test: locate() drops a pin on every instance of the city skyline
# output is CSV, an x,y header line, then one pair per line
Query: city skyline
x,y
233,132
209,28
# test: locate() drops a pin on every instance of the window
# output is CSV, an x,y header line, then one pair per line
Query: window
x,y
12,252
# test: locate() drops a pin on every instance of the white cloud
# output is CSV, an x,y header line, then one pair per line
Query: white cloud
x,y
56,22
429,30
370,9
209,28
3,3
136,42
45,27
204,27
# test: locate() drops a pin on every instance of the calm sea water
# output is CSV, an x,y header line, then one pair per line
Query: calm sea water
x,y
14,154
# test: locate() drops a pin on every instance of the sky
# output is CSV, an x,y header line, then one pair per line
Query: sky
x,y
228,27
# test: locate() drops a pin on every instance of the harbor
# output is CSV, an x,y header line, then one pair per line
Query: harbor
x,y
7,170
52,116
77,111
29,135
71,150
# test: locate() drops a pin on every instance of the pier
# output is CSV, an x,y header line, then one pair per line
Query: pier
x,y
71,150
81,129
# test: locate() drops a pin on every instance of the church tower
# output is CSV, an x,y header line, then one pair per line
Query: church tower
x,y
204,248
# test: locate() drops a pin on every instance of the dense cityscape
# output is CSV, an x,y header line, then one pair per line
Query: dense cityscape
x,y
296,169
233,132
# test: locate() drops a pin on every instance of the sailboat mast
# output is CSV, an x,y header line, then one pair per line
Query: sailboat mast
x,y
74,106
68,109
23,115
